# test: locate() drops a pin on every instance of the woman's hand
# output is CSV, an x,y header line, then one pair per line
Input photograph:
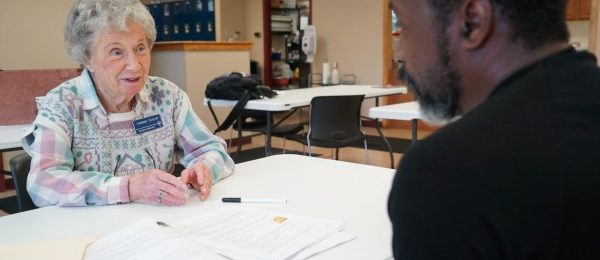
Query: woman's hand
x,y
157,187
200,177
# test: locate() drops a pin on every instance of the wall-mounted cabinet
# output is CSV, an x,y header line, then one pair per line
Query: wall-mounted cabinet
x,y
579,10
187,20
283,25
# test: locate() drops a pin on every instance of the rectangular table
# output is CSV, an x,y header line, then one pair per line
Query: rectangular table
x,y
10,140
353,193
408,111
295,98
10,137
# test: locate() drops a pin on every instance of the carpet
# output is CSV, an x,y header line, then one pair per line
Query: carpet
x,y
9,205
375,142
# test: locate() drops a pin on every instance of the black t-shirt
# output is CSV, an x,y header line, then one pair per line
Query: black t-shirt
x,y
518,177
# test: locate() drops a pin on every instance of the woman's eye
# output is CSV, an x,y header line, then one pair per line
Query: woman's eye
x,y
115,52
140,49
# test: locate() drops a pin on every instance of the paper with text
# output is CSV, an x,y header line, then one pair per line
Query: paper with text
x,y
257,234
145,239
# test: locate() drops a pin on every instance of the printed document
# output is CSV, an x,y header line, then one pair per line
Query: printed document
x,y
235,233
258,234
145,239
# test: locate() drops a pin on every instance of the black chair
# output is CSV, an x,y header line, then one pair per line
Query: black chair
x,y
334,122
19,167
252,121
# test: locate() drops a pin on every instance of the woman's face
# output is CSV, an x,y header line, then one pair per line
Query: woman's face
x,y
119,63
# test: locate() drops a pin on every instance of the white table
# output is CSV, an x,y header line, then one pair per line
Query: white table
x,y
10,136
408,111
10,140
295,98
353,193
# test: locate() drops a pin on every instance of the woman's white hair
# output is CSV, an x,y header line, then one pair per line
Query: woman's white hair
x,y
88,18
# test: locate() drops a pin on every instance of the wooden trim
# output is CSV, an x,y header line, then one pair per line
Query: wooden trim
x,y
202,46
594,27
268,65
387,42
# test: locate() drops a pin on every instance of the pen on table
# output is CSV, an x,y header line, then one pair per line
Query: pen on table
x,y
252,200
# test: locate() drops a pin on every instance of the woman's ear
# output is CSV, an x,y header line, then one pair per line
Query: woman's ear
x,y
89,67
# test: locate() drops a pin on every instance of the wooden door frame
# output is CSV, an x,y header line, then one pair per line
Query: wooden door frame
x,y
387,43
594,27
267,64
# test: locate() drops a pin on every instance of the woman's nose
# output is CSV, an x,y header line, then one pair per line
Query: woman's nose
x,y
133,61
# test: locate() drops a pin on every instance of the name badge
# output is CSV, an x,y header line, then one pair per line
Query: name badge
x,y
147,124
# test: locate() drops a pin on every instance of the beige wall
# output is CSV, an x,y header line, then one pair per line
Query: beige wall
x,y
579,31
231,18
350,33
31,34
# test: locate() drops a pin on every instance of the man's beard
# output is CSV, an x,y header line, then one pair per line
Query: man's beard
x,y
437,91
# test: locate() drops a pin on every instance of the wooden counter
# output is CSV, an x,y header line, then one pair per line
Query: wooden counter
x,y
202,46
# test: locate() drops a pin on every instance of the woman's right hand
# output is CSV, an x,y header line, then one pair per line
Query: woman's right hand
x,y
157,187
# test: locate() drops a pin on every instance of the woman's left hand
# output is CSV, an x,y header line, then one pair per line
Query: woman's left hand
x,y
200,177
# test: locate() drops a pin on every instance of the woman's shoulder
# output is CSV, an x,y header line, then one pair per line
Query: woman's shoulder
x,y
66,91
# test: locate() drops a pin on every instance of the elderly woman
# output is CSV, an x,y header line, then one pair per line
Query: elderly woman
x,y
112,134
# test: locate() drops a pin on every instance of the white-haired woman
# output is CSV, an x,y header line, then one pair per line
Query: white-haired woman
x,y
112,134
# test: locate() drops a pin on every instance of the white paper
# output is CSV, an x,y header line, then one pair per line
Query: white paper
x,y
333,240
257,234
145,239
303,22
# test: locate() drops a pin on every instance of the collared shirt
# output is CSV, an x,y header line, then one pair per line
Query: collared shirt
x,y
82,155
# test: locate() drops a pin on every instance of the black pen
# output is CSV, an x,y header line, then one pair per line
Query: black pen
x,y
253,200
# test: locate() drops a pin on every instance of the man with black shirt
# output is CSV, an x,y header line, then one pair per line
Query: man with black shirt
x,y
515,173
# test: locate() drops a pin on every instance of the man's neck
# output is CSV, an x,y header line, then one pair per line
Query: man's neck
x,y
496,66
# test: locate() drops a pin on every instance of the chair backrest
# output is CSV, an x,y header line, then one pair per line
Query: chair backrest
x,y
233,115
334,117
19,167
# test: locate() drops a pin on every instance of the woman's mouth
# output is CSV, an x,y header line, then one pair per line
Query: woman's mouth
x,y
132,80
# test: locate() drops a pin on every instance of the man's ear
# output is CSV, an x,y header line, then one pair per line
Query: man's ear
x,y
475,23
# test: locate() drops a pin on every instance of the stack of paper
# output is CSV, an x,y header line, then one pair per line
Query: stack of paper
x,y
146,239
231,232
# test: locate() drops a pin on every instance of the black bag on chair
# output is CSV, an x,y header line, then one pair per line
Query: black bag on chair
x,y
233,85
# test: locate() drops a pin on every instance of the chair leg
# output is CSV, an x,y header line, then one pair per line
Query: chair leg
x,y
366,151
230,138
239,148
337,153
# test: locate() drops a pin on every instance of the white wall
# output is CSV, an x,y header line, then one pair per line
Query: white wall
x,y
31,34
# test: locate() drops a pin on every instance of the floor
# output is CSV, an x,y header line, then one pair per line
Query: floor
x,y
357,155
